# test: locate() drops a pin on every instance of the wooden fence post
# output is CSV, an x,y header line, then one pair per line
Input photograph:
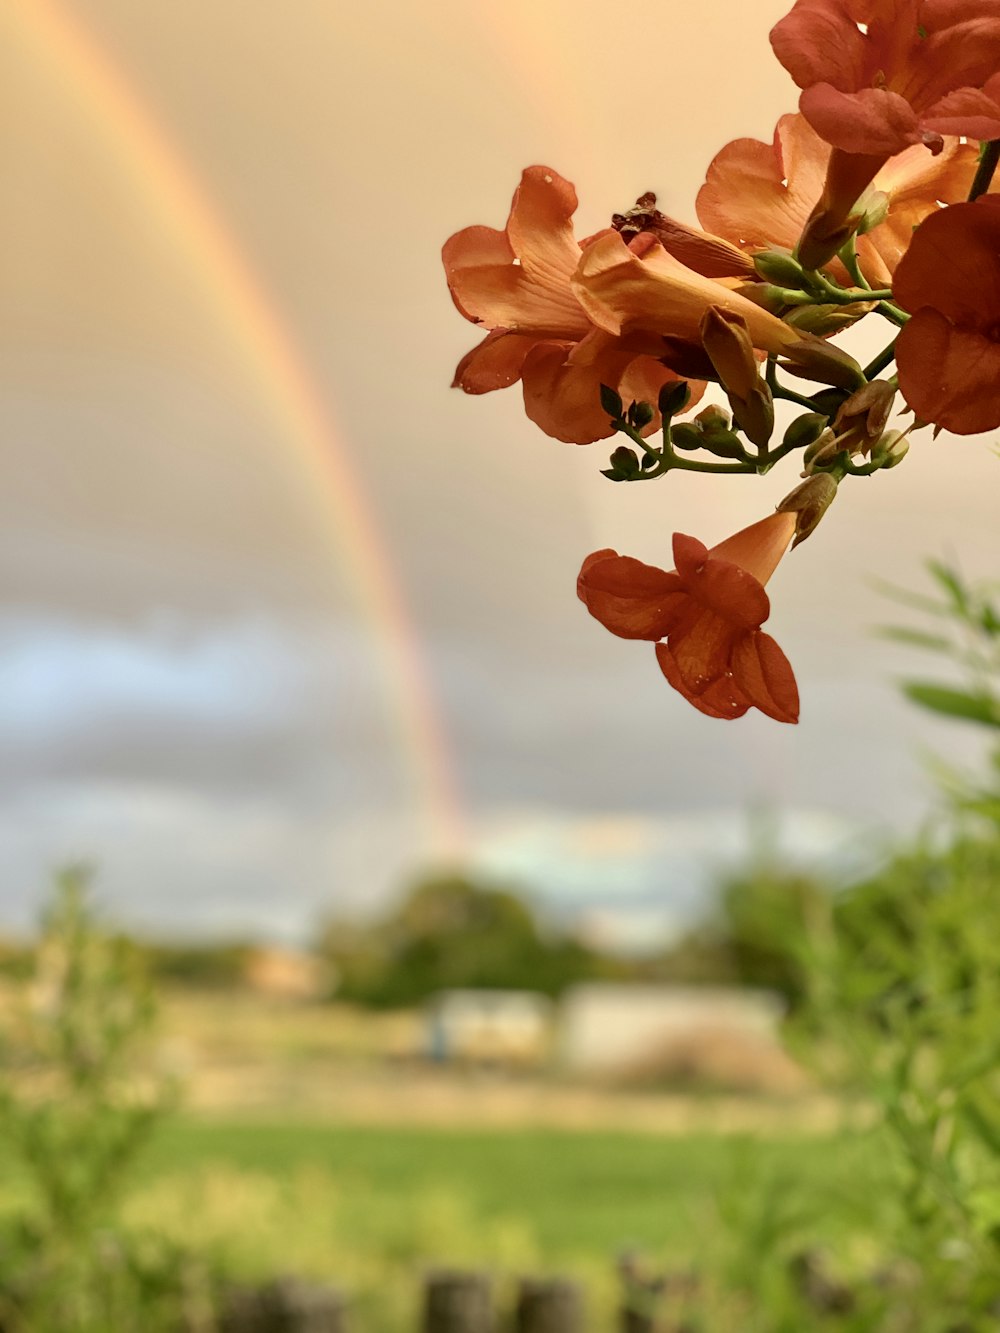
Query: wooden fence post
x,y
457,1303
548,1305
636,1321
287,1305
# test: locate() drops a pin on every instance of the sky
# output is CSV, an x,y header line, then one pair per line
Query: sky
x,y
284,618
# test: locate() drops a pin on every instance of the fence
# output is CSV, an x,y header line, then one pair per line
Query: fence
x,y
453,1302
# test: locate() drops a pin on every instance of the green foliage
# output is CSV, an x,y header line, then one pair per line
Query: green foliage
x,y
451,932
207,966
77,1103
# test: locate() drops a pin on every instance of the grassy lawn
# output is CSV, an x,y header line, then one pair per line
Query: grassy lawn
x,y
575,1192
372,1208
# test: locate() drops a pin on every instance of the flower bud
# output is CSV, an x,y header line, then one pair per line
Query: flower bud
x,y
624,461
686,435
611,401
891,449
765,294
826,319
876,209
674,398
809,502
862,417
822,450
805,429
727,341
713,417
641,414
723,443
814,359
780,267
755,413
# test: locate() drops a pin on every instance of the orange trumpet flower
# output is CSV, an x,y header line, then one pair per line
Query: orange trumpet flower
x,y
704,616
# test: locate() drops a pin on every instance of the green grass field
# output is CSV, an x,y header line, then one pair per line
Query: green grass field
x,y
371,1209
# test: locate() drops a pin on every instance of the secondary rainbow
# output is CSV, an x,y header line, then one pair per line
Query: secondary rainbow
x,y
185,209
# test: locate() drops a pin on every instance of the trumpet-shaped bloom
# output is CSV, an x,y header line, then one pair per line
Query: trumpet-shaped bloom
x,y
704,616
759,195
635,289
880,75
948,354
518,284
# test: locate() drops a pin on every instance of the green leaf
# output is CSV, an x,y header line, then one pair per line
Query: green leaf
x,y
915,638
952,584
980,708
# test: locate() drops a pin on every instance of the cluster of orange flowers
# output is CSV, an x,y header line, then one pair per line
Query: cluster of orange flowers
x,y
875,197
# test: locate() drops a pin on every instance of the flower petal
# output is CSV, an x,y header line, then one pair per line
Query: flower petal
x,y
759,195
723,699
821,43
495,363
872,121
968,111
721,585
953,264
562,383
949,376
540,227
632,600
764,675
914,181
519,279
701,650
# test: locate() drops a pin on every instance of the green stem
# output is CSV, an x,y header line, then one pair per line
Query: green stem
x,y
625,429
849,258
988,162
848,295
884,358
675,461
780,391
892,313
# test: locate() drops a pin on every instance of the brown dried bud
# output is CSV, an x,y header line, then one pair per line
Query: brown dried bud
x,y
727,341
862,417
809,502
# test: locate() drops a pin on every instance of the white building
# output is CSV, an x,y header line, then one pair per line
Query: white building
x,y
501,1027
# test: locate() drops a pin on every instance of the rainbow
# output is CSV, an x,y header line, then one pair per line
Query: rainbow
x,y
184,209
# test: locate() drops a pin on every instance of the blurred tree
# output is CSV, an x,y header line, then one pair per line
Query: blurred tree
x,y
449,931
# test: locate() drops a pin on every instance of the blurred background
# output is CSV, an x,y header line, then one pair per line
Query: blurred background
x,y
290,651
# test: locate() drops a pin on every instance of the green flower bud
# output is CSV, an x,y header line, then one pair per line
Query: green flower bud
x,y
780,267
625,462
674,398
686,435
891,449
611,401
825,319
876,205
641,414
804,430
723,443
